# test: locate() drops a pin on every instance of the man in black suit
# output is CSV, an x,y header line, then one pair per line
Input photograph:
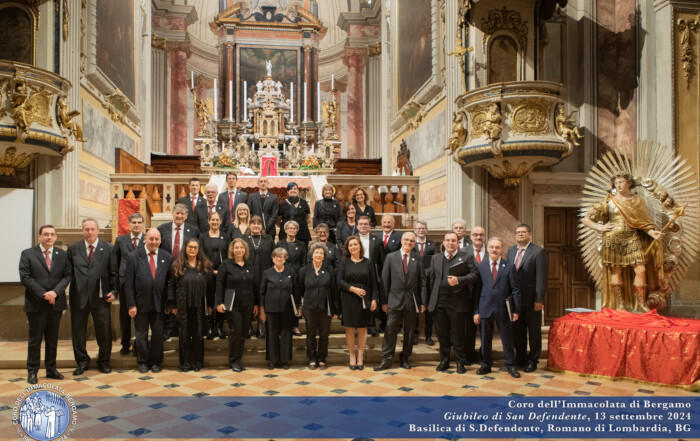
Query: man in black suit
x,y
391,240
425,248
373,251
498,286
192,200
264,204
211,191
123,245
45,273
91,293
460,228
476,248
232,196
531,272
403,279
173,237
451,301
146,280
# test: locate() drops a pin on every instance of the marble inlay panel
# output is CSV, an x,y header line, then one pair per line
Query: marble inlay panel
x,y
427,143
103,136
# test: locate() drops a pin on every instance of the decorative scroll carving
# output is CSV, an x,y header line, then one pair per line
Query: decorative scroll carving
x,y
509,173
117,105
687,54
375,49
66,19
11,161
413,113
506,19
40,103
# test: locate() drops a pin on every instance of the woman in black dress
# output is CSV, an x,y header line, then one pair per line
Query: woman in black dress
x,y
279,304
347,227
296,209
357,281
237,299
187,290
241,222
260,246
318,286
296,255
327,210
215,247
361,202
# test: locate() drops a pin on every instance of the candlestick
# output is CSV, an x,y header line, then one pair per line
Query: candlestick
x,y
291,101
305,102
332,81
192,76
230,100
216,102
245,101
318,101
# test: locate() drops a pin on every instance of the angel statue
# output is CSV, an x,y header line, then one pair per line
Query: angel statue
x,y
459,133
493,125
329,109
65,118
22,108
635,261
567,129
204,110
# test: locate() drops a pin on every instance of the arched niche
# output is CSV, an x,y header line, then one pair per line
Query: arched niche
x,y
18,26
504,58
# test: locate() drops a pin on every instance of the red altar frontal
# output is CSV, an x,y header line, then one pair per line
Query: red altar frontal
x,y
620,344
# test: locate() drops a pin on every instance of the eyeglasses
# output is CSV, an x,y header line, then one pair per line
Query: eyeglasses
x,y
192,247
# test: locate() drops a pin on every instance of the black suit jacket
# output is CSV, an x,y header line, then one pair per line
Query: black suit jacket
x,y
430,248
268,210
166,235
463,292
91,283
187,200
490,302
142,290
202,215
403,291
532,275
241,197
120,251
392,244
37,279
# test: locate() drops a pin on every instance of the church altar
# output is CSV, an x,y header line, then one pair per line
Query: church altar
x,y
619,344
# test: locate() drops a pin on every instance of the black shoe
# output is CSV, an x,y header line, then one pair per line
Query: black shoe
x,y
236,367
403,362
54,375
124,350
143,369
460,368
352,366
285,366
415,339
155,369
261,332
322,365
483,370
513,372
220,333
296,331
429,341
270,365
196,369
80,370
360,367
31,378
531,367
105,369
312,365
184,369
443,366
210,335
384,365
372,332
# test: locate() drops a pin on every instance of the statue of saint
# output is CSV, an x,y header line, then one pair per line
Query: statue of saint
x,y
268,67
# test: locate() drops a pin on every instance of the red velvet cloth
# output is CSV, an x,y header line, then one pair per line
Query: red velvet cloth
x,y
126,208
647,347
268,166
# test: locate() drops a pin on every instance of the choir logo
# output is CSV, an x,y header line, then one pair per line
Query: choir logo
x,y
44,412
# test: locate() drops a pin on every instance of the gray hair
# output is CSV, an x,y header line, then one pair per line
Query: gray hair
x,y
415,224
279,252
180,207
494,239
315,246
458,221
90,219
211,185
291,223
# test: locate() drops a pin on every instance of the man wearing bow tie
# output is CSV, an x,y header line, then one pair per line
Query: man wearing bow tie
x,y
497,287
91,294
146,280
44,271
531,268
124,245
403,279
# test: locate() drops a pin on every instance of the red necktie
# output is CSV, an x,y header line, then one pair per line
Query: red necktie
x,y
152,264
176,243
519,258
134,241
386,237
91,254
194,202
230,205
421,248
262,196
478,256
405,263
47,256
494,271
211,207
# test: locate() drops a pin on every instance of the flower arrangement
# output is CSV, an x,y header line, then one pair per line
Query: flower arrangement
x,y
310,163
224,161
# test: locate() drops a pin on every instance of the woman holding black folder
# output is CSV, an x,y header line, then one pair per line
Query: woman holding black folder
x,y
357,281
318,286
280,302
237,298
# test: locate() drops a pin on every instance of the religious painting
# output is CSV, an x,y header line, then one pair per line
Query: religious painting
x,y
415,48
115,44
16,35
503,59
252,67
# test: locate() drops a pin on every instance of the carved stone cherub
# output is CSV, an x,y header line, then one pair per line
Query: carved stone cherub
x,y
65,119
493,126
459,133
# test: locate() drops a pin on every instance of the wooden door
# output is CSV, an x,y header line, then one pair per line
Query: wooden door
x,y
569,286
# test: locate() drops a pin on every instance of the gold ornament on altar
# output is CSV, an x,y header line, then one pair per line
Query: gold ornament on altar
x,y
65,119
204,108
330,112
640,225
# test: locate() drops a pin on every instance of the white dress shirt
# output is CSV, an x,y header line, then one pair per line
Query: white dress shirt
x,y
365,243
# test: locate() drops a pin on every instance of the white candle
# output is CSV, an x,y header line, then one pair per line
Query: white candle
x,y
245,101
332,81
305,103
216,102
192,77
318,101
291,101
230,100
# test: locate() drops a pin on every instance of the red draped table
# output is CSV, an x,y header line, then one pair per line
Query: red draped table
x,y
619,344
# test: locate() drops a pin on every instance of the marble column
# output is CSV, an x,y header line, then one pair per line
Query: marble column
x,y
309,86
386,88
355,59
159,92
179,90
374,107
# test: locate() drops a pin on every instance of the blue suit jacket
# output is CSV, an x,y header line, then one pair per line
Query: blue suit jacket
x,y
491,300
